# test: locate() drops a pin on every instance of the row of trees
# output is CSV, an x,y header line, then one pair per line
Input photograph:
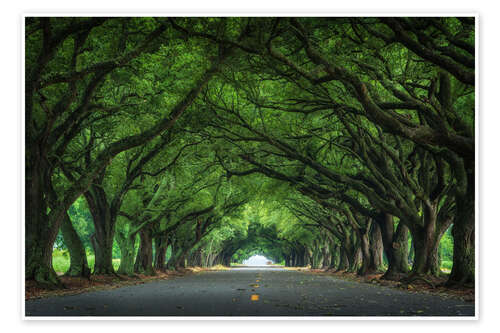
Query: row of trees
x,y
360,131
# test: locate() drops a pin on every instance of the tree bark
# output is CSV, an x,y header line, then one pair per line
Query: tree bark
x,y
366,255
376,249
397,254
41,228
79,266
335,255
327,256
104,226
161,245
463,270
356,260
144,259
426,242
127,250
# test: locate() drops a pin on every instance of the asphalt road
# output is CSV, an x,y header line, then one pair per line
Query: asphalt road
x,y
251,292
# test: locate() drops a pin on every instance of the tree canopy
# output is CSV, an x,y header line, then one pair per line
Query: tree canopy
x,y
345,143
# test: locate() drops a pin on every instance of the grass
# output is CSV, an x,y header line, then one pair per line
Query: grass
x,y
446,264
61,261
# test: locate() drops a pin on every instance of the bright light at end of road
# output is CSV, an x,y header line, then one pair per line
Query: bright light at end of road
x,y
256,260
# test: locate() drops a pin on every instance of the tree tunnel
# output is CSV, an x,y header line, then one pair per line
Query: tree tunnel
x,y
259,240
325,142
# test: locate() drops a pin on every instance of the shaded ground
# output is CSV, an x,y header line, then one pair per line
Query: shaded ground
x,y
432,285
74,285
251,292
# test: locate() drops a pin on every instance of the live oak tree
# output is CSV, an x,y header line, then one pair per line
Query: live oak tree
x,y
68,61
315,141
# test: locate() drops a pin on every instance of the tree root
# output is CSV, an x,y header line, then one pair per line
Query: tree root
x,y
411,279
464,282
393,276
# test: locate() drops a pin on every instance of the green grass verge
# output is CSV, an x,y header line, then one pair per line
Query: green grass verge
x,y
61,261
446,264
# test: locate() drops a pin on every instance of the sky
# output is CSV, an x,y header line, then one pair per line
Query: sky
x,y
256,260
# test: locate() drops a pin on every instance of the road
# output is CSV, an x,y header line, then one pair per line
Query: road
x,y
251,292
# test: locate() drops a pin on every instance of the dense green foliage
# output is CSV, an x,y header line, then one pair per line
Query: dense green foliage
x,y
339,143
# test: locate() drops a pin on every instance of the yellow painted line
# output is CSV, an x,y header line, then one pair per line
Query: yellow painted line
x,y
254,297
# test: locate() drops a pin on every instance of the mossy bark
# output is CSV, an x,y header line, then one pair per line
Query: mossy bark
x,y
79,266
144,259
127,250
344,259
376,249
395,247
366,255
161,245
104,225
463,270
426,240
41,228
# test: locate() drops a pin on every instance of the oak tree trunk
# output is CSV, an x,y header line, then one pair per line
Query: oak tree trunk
x,y
376,249
127,250
463,270
78,257
161,245
144,259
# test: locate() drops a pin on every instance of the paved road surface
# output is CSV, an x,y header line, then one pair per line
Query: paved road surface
x,y
250,292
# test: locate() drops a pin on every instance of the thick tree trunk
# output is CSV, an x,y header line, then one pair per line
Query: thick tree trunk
x,y
463,270
294,258
40,229
316,256
366,255
396,250
104,225
161,245
103,250
425,254
78,257
301,257
327,256
195,258
127,250
39,260
335,255
144,259
376,249
175,252
227,261
181,261
287,261
426,243
344,259
355,262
